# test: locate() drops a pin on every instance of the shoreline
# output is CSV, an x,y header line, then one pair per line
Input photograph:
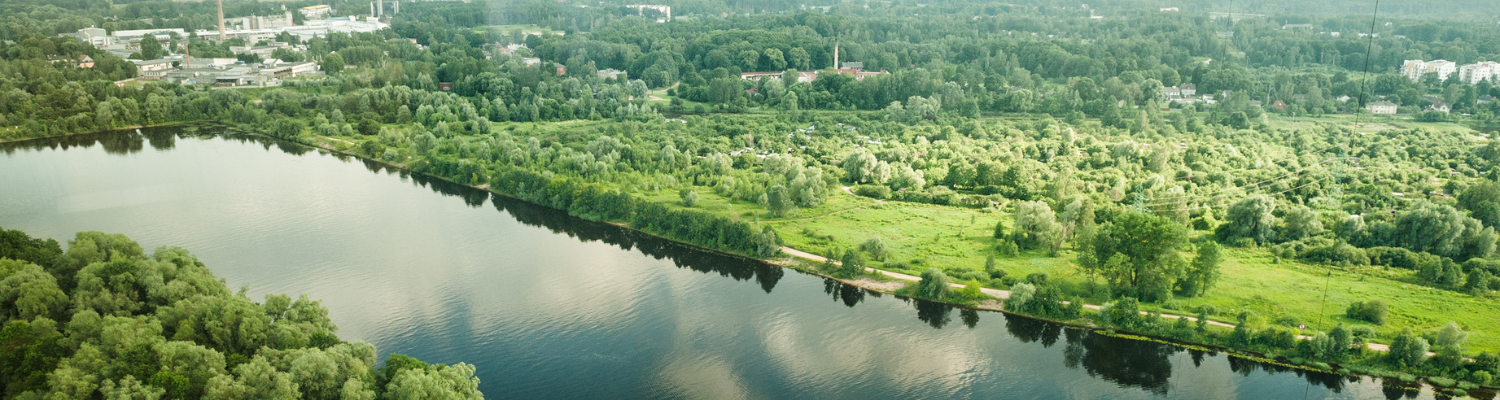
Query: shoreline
x,y
320,143
123,128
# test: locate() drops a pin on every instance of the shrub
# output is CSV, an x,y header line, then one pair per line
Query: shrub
x,y
1373,311
876,248
689,197
1008,248
1441,381
873,191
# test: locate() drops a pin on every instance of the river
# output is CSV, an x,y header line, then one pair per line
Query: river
x,y
549,306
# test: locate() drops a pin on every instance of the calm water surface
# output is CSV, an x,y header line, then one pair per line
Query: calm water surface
x,y
548,306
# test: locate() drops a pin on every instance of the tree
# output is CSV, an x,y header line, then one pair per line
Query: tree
x,y
1250,218
778,201
1037,226
150,48
1483,201
1300,222
1000,229
934,285
1451,335
1408,350
1204,271
852,264
1141,253
332,63
876,248
689,197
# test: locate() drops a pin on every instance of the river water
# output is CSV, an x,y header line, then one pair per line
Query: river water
x,y
549,306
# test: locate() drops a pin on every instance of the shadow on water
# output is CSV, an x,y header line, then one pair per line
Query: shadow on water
x,y
1133,363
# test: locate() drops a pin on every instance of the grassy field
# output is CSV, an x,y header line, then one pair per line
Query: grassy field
x,y
959,239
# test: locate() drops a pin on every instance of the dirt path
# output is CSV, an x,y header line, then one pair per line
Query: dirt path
x,y
1005,294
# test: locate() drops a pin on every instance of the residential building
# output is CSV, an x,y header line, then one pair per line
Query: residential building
x,y
852,65
531,61
84,61
1382,108
1474,73
1415,69
1188,89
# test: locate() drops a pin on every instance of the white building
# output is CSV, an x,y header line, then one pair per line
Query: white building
x,y
317,11
1188,89
259,22
153,69
1414,69
1474,73
308,30
96,37
1382,108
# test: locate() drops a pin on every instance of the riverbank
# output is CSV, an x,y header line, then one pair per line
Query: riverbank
x,y
345,148
162,125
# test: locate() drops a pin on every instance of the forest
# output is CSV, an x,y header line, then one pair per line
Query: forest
x,y
1010,146
106,319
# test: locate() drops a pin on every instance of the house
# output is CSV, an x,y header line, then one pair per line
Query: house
x,y
852,65
1171,92
1297,26
562,70
1188,89
1343,99
1439,106
1382,108
84,61
531,61
1280,105
612,73
445,86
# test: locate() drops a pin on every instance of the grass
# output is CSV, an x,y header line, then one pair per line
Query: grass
x,y
959,239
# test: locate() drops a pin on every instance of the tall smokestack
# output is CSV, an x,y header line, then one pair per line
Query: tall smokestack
x,y
835,55
221,21
379,8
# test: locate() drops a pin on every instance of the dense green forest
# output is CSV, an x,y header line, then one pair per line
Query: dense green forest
x,y
104,319
1011,146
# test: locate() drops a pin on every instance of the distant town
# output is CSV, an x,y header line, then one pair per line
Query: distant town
x,y
258,33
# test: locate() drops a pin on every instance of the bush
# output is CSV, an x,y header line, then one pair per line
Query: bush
x,y
1008,248
873,191
1373,311
689,197
1441,381
876,248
